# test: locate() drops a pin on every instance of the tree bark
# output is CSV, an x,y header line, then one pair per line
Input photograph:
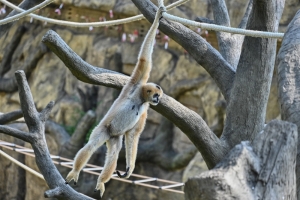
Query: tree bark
x,y
246,110
264,171
289,79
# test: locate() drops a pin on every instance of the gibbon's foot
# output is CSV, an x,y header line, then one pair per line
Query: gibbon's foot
x,y
73,175
100,186
124,175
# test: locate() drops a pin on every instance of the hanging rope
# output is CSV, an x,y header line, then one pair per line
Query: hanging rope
x,y
91,169
87,24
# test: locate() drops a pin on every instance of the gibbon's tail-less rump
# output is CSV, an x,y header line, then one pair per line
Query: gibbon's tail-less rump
x,y
127,116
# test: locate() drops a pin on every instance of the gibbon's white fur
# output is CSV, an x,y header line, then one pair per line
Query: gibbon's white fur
x,y
127,116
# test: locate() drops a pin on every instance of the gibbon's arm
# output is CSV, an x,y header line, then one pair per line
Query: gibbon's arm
x,y
131,143
143,67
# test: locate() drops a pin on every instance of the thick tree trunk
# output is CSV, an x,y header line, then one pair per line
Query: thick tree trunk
x,y
264,171
289,79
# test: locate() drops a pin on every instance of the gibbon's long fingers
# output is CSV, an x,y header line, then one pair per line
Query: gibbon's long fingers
x,y
114,145
97,138
131,143
123,175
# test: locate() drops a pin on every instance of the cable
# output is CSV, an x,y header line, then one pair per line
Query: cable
x,y
88,24
23,14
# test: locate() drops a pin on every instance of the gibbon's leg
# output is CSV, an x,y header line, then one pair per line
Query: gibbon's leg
x,y
131,142
97,138
114,145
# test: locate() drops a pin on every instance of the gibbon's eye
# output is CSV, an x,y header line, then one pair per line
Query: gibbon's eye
x,y
148,91
158,87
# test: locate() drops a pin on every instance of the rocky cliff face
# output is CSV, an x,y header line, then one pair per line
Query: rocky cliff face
x,y
103,47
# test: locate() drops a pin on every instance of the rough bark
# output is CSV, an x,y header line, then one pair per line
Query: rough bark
x,y
266,171
187,120
289,79
247,107
11,116
36,125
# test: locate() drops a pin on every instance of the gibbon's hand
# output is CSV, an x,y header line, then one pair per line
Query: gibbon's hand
x,y
124,175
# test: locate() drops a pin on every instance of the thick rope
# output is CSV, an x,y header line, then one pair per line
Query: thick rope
x,y
23,14
88,24
21,165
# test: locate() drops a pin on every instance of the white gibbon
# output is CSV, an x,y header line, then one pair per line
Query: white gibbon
x,y
127,116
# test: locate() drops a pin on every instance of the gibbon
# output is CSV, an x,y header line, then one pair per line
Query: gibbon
x,y
127,116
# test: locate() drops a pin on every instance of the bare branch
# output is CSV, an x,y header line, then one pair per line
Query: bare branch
x,y
44,115
247,107
187,120
205,55
11,116
36,138
16,133
27,104
244,21
79,68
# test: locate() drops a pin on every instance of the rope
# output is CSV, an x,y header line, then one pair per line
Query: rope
x,y
21,165
92,169
88,24
23,14
215,27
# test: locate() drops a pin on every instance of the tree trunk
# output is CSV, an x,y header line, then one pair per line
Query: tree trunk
x,y
264,171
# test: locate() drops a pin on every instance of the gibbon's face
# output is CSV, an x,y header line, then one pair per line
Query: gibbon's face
x,y
152,93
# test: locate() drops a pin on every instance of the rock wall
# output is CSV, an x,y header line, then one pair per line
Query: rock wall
x,y
103,47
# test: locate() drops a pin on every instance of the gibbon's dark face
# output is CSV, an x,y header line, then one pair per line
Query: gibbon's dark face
x,y
152,93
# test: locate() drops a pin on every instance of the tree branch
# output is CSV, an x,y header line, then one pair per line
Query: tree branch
x,y
11,116
247,107
289,79
36,138
16,133
187,120
205,55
